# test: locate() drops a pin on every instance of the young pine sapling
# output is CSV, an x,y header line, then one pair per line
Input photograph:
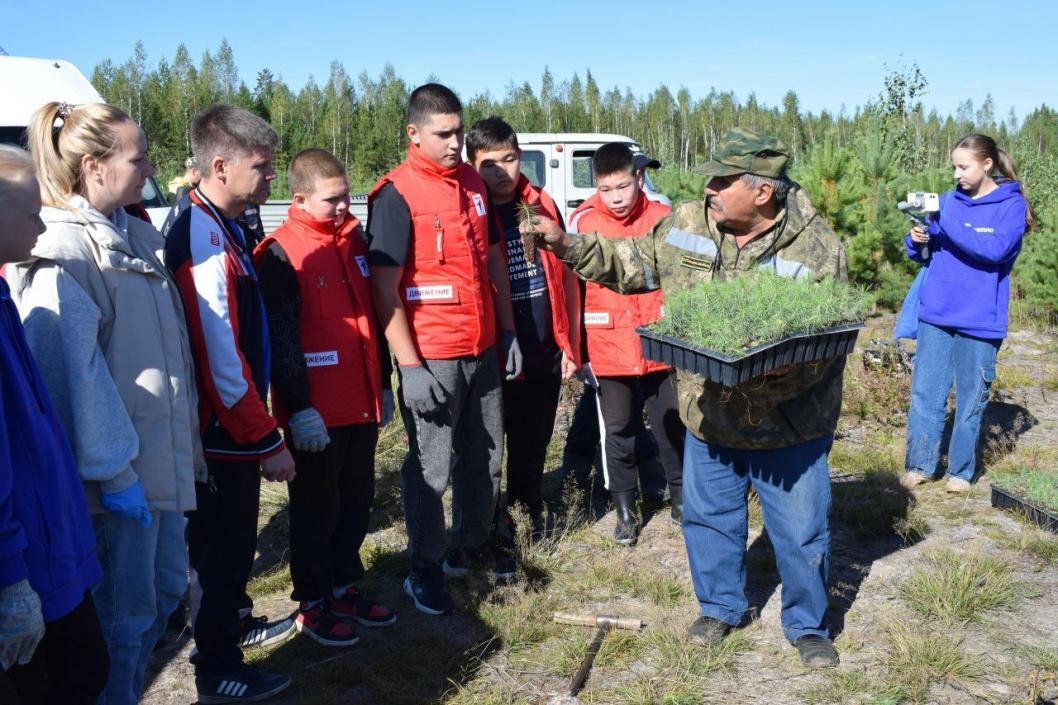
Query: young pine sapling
x,y
526,213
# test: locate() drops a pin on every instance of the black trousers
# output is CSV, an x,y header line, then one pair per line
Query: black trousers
x,y
330,506
582,444
222,541
529,407
69,667
621,401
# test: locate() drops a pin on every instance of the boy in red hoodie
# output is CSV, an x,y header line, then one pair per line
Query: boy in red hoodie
x,y
626,380
331,391
545,299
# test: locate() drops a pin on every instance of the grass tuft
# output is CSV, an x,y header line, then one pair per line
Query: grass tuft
x,y
959,587
918,656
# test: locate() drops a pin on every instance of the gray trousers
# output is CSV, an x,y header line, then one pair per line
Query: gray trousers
x,y
462,442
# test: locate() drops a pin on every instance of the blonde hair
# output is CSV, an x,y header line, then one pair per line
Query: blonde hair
x,y
16,168
58,147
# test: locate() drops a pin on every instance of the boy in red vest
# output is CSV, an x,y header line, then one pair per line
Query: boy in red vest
x,y
440,285
330,390
626,380
545,298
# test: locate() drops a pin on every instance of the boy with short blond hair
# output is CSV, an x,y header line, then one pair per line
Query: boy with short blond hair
x,y
330,390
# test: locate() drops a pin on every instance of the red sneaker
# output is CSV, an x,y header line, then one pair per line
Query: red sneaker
x,y
318,622
354,606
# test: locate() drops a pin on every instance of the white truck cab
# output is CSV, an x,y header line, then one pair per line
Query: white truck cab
x,y
561,164
28,83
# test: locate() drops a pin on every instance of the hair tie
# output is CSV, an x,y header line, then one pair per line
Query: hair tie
x,y
64,110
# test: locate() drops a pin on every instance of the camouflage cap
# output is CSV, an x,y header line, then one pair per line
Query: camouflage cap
x,y
745,152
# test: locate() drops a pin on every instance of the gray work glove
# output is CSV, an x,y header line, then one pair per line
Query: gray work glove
x,y
21,624
423,394
387,408
309,431
512,353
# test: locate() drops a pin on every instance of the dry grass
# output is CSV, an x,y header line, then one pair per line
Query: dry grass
x,y
918,656
957,586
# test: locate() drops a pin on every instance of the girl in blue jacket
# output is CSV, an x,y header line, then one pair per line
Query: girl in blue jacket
x,y
970,248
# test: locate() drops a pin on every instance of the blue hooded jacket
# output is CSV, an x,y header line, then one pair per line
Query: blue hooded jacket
x,y
45,531
973,245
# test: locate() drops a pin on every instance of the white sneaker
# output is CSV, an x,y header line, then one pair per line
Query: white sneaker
x,y
910,480
957,485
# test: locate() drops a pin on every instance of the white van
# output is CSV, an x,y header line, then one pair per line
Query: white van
x,y
27,83
561,164
558,162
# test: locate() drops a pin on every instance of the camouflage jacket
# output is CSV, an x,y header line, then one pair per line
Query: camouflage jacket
x,y
769,412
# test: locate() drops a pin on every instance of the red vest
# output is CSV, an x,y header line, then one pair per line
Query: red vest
x,y
610,319
337,331
445,286
554,269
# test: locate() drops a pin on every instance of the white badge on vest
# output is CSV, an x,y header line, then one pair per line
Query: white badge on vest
x,y
321,359
479,203
432,293
361,262
596,318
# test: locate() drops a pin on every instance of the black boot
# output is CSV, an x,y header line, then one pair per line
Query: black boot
x,y
676,499
626,532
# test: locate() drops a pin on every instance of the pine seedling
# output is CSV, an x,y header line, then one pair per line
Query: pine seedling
x,y
526,213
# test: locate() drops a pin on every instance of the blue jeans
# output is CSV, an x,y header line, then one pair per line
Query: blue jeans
x,y
943,355
794,489
144,577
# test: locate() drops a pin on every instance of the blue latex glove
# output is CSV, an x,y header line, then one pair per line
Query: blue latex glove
x,y
129,503
388,407
309,431
512,353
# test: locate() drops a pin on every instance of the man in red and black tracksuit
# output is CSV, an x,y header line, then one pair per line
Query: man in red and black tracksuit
x,y
626,380
211,261
545,299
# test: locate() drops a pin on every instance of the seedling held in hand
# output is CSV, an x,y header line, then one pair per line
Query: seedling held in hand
x,y
526,213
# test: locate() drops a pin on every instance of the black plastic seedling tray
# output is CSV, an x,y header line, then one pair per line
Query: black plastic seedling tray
x,y
1045,519
732,370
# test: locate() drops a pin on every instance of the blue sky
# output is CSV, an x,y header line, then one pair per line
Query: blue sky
x,y
830,53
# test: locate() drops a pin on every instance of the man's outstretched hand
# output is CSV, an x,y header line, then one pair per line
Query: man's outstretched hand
x,y
553,237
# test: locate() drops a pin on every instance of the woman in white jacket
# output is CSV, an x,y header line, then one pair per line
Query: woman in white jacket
x,y
105,322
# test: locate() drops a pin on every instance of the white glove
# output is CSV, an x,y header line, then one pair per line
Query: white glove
x,y
309,431
388,407
21,624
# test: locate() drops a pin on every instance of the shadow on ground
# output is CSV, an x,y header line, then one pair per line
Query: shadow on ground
x,y
870,519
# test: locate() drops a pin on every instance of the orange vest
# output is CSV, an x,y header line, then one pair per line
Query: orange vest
x,y
337,328
554,269
445,286
610,319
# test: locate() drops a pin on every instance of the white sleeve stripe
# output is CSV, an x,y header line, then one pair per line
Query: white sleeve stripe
x,y
209,271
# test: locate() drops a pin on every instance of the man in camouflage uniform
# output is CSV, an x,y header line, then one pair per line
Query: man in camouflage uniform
x,y
773,433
